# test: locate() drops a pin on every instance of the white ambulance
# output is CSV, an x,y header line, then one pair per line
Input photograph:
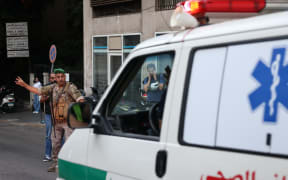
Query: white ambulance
x,y
225,115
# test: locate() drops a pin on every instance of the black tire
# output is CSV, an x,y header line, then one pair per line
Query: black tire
x,y
7,109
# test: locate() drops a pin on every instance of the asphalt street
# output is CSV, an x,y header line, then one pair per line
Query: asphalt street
x,y
22,138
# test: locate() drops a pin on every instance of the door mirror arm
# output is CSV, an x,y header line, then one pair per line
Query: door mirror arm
x,y
101,125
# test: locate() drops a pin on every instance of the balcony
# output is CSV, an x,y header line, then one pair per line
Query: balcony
x,y
114,7
161,5
96,3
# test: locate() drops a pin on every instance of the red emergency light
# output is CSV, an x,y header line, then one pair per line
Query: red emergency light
x,y
198,7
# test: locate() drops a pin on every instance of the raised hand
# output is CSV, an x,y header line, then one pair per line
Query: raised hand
x,y
19,81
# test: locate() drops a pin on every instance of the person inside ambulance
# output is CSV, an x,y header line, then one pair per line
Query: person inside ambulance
x,y
156,112
163,97
127,111
153,84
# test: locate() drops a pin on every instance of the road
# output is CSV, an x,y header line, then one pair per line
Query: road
x,y
22,139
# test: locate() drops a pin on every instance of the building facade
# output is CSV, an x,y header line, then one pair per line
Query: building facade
x,y
112,28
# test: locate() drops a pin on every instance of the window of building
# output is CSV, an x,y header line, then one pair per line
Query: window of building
x,y
100,43
109,53
100,71
129,43
114,7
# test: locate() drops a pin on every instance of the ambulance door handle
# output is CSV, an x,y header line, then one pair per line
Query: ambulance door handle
x,y
161,161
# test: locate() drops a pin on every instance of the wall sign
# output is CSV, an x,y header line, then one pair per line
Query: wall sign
x,y
17,29
17,39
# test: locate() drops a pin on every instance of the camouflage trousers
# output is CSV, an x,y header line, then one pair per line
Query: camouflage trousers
x,y
57,137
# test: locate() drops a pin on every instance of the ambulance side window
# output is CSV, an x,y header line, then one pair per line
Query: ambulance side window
x,y
141,88
237,98
203,96
254,102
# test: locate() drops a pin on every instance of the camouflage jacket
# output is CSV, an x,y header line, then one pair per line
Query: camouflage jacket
x,y
62,97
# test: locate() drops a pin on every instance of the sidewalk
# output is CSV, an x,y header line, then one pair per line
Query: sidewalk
x,y
22,116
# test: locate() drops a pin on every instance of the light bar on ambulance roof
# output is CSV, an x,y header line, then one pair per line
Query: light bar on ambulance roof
x,y
196,7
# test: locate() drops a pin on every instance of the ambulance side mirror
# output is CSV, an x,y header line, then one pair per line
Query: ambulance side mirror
x,y
79,115
101,125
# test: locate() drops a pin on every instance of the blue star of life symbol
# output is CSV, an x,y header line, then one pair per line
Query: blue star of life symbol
x,y
273,89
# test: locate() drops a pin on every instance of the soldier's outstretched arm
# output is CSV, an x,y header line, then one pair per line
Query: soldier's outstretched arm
x,y
19,81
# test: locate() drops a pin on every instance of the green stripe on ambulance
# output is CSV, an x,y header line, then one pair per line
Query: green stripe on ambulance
x,y
72,171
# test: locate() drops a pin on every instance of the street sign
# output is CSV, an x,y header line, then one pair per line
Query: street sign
x,y
17,29
17,43
52,54
18,54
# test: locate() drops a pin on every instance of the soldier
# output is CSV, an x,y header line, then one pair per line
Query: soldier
x,y
63,94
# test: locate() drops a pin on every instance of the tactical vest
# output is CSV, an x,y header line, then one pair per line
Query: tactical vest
x,y
61,101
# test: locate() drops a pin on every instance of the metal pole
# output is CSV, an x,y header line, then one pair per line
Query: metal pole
x,y
52,67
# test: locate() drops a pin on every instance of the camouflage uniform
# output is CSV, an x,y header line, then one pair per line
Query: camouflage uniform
x,y
61,96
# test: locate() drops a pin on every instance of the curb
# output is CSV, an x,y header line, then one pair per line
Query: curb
x,y
31,124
